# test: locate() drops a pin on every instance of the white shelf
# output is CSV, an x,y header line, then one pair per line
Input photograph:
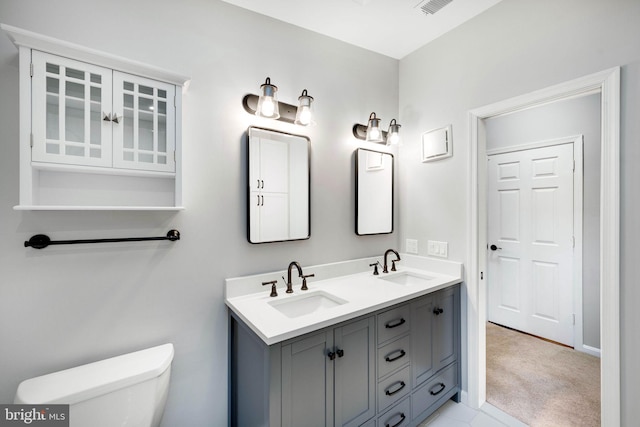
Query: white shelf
x,y
97,208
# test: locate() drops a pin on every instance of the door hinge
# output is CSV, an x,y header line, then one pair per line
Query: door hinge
x,y
175,101
482,275
31,69
31,140
174,156
574,165
574,319
573,241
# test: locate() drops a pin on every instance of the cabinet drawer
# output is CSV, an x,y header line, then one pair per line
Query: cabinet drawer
x,y
434,389
393,388
397,416
393,355
393,323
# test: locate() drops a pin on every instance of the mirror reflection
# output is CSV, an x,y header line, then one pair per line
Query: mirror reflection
x,y
278,197
374,192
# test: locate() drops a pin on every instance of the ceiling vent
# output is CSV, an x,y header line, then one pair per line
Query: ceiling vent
x,y
433,6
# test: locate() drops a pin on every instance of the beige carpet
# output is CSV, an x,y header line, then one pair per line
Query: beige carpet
x,y
541,383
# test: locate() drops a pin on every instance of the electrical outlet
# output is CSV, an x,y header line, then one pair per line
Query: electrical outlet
x,y
412,246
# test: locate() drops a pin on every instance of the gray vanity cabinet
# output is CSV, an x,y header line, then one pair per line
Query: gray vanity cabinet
x,y
393,367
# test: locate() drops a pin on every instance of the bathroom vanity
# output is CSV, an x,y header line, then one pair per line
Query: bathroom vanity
x,y
356,349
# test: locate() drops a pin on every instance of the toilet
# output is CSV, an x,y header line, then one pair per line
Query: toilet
x,y
124,391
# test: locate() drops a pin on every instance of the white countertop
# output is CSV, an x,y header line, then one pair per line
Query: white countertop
x,y
361,291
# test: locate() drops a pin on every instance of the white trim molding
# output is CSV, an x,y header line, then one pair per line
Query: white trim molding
x,y
607,83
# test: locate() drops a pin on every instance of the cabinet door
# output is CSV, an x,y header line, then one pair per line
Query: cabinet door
x,y
422,365
144,131
445,325
69,102
307,382
274,165
354,373
273,217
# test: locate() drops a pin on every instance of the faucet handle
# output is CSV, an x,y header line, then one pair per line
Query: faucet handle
x,y
375,267
393,265
304,282
273,287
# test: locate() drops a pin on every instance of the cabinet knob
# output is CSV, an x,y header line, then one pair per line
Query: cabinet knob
x,y
331,355
437,311
340,352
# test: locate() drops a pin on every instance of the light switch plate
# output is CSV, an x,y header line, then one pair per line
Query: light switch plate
x,y
412,246
439,249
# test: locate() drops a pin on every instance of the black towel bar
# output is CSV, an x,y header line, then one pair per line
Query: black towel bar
x,y
41,241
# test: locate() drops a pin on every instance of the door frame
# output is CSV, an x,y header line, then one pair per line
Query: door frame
x,y
607,83
577,142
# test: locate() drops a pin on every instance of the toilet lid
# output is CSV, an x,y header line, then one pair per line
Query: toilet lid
x,y
94,379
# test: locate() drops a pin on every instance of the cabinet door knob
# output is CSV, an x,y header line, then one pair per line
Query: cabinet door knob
x,y
340,352
106,117
437,311
331,355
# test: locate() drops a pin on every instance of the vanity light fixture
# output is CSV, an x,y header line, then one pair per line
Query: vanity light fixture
x,y
373,133
268,101
267,105
303,114
393,134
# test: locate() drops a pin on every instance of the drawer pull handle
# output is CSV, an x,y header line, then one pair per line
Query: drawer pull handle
x,y
402,418
442,387
395,325
391,393
393,359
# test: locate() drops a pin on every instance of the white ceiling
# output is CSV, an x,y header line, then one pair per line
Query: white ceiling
x,y
391,27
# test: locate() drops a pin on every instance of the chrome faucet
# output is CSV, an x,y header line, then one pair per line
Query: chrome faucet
x,y
393,263
289,284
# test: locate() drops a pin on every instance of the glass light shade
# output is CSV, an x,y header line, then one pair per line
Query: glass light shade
x,y
374,133
304,113
268,101
393,135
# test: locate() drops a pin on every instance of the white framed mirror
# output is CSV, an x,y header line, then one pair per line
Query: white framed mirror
x,y
278,197
374,192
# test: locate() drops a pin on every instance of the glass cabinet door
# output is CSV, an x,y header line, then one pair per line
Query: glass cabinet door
x,y
70,100
144,132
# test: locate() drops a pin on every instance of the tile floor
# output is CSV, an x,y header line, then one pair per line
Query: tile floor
x,y
453,414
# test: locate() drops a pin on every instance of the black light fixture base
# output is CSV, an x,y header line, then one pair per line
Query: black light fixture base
x,y
287,111
360,132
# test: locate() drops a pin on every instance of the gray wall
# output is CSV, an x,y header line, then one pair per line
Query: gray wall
x,y
516,47
69,305
560,119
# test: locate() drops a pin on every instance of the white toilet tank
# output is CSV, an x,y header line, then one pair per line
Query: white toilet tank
x,y
124,391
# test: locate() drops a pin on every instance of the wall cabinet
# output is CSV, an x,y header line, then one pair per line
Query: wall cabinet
x,y
359,373
96,131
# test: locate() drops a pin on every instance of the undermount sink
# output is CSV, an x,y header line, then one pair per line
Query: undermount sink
x,y
407,278
301,305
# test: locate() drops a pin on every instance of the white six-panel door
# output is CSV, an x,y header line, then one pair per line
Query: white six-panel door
x,y
531,241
